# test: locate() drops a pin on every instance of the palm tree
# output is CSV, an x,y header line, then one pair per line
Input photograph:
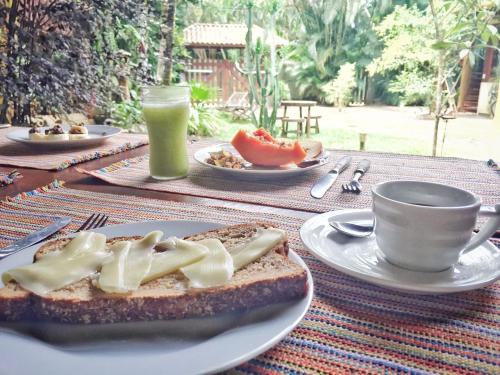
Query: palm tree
x,y
325,27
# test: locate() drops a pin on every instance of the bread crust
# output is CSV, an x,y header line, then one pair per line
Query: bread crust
x,y
271,279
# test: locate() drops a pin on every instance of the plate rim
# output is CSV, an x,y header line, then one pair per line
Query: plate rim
x,y
262,172
223,364
383,282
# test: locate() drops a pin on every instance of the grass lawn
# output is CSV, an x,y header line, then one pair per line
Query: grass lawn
x,y
346,139
391,129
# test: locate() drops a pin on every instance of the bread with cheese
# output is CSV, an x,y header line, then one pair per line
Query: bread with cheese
x,y
273,278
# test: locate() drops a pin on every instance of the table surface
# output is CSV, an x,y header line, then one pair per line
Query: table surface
x,y
298,103
34,178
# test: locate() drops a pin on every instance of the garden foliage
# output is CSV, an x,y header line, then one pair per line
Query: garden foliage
x,y
61,56
339,90
89,55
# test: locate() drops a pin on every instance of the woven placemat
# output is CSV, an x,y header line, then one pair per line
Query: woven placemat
x,y
22,155
7,178
293,193
351,327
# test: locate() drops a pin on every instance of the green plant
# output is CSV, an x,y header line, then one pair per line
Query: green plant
x,y
261,70
339,90
414,86
48,61
127,114
407,60
423,49
203,120
201,93
328,34
461,29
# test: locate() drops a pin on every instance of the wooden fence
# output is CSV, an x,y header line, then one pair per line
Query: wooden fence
x,y
221,75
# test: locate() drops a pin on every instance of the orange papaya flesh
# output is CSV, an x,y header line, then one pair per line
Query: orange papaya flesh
x,y
260,148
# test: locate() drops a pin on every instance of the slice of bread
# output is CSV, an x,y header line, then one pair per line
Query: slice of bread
x,y
271,279
312,147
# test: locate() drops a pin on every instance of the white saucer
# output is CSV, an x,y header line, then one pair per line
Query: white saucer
x,y
361,258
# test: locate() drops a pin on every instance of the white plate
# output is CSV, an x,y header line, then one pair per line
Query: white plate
x,y
189,346
361,258
97,135
254,171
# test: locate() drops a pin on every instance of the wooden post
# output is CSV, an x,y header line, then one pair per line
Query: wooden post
x,y
284,124
488,64
308,121
362,141
496,118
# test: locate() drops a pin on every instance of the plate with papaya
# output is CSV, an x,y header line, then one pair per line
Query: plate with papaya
x,y
258,154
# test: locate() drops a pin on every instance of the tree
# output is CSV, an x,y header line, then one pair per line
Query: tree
x,y
407,59
321,36
461,29
165,61
339,90
425,47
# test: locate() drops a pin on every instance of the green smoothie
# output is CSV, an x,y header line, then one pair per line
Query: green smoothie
x,y
167,129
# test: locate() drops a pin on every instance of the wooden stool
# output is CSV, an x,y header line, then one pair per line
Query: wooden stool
x,y
284,126
315,126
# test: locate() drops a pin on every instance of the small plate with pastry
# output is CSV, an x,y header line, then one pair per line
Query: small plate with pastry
x,y
177,297
258,155
64,136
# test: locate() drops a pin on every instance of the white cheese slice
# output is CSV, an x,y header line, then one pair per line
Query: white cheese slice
x,y
263,241
81,257
139,259
216,268
182,253
112,277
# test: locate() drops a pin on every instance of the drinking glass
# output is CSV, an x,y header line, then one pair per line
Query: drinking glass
x,y
166,111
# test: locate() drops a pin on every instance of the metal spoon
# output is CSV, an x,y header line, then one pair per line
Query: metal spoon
x,y
360,228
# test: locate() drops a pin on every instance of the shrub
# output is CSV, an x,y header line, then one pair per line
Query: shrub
x,y
203,120
339,91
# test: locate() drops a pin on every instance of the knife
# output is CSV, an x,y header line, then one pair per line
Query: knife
x,y
324,183
35,237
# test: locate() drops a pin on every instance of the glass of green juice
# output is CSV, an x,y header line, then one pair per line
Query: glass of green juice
x,y
166,111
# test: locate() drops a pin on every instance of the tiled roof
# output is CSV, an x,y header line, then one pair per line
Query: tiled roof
x,y
224,35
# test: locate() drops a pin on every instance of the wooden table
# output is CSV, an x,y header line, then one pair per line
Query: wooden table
x,y
34,178
301,104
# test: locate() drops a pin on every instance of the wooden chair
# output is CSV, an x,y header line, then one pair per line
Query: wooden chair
x,y
238,105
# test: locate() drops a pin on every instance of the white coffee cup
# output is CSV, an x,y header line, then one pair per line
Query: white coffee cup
x,y
425,226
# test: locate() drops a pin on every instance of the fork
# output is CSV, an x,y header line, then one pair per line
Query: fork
x,y
94,221
354,186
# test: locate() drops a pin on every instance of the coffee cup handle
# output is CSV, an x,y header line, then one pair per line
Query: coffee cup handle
x,y
488,229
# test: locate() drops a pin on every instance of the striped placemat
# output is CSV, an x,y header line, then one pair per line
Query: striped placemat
x,y
22,155
292,193
7,178
351,327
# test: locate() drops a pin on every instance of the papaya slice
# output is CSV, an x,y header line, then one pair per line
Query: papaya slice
x,y
260,148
